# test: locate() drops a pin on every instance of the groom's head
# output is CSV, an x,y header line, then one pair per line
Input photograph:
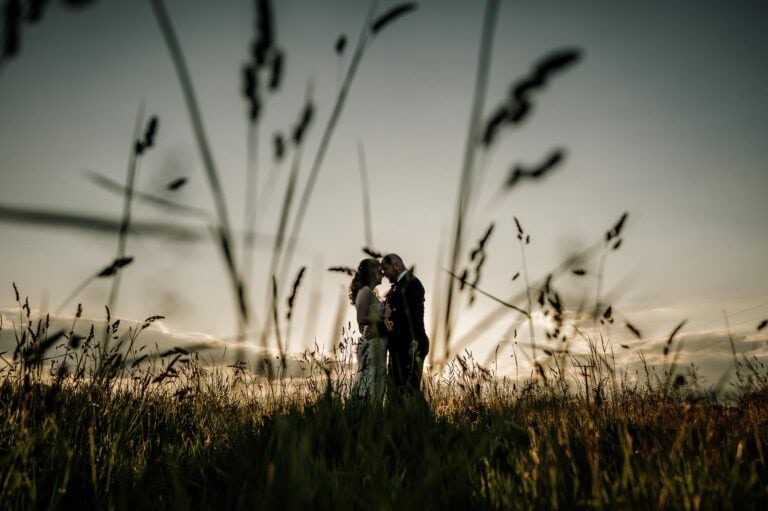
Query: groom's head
x,y
392,266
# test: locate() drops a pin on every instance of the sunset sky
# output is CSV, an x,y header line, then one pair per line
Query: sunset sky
x,y
665,116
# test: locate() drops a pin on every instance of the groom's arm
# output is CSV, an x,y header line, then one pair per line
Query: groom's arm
x,y
414,305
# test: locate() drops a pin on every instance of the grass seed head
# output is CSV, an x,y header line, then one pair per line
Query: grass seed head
x,y
342,269
12,29
301,127
250,81
176,184
278,143
276,70
264,32
292,297
340,45
520,231
632,328
373,253
391,15
492,125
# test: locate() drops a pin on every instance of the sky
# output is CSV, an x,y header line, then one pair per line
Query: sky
x,y
664,117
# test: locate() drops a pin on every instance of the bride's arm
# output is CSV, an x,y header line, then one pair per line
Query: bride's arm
x,y
368,314
362,306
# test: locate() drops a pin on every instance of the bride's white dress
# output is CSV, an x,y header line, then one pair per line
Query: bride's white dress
x,y
370,380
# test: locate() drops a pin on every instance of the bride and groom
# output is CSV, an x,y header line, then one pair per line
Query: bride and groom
x,y
393,326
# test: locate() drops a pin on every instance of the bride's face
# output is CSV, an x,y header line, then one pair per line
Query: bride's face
x,y
377,276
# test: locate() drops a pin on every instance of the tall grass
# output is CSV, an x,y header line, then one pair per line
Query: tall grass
x,y
101,421
265,53
468,162
511,112
222,232
170,432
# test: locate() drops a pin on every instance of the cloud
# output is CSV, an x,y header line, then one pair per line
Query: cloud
x,y
711,353
708,352
157,340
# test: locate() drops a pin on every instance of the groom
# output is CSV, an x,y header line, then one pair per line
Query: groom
x,y
408,342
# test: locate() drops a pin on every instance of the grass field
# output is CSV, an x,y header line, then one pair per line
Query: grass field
x,y
117,435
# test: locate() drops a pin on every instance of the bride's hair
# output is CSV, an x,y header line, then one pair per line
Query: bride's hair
x,y
364,276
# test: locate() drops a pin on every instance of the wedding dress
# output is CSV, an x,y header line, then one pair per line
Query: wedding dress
x,y
370,380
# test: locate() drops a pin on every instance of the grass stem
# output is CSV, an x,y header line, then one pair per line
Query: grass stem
x,y
470,147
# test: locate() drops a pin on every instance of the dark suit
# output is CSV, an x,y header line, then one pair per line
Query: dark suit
x,y
408,341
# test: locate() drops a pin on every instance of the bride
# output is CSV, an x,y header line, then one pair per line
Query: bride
x,y
370,379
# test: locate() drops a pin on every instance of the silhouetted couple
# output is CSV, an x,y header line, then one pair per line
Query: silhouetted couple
x,y
393,326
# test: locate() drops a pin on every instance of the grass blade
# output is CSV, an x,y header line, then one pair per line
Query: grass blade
x,y
366,195
326,139
224,230
465,183
122,237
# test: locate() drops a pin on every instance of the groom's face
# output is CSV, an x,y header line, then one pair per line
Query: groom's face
x,y
389,270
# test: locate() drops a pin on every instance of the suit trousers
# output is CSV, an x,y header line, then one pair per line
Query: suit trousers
x,y
406,365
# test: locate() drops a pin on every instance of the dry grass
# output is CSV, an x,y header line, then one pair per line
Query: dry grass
x,y
125,429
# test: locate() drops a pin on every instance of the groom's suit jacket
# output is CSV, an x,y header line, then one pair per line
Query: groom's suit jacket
x,y
406,300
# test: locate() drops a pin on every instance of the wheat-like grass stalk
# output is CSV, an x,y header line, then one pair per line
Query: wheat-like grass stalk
x,y
291,303
137,148
279,150
250,210
298,138
265,56
156,201
370,26
365,195
223,232
523,240
501,311
467,166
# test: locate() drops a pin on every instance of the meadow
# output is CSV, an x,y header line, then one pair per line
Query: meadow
x,y
107,432
101,421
